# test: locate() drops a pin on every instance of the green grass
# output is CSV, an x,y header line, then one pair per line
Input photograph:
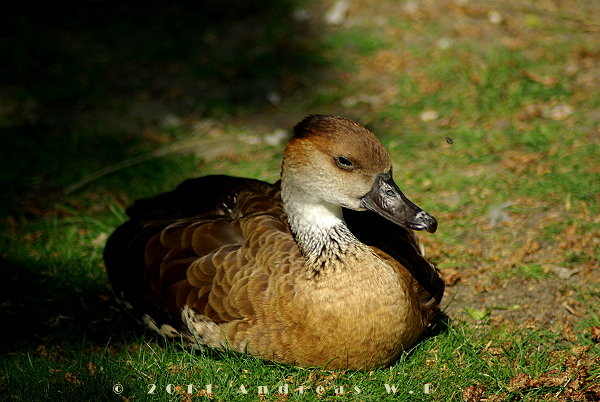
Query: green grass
x,y
458,356
62,336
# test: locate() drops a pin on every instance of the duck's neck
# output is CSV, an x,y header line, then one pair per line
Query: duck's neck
x,y
322,235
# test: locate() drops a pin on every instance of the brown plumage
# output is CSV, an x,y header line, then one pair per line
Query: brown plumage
x,y
320,269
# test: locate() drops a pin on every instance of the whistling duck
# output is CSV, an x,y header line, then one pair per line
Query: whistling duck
x,y
320,269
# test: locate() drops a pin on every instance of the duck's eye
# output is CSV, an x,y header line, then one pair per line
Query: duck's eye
x,y
344,163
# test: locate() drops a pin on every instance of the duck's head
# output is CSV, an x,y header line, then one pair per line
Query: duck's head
x,y
335,161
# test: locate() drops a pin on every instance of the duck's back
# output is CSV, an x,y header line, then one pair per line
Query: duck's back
x,y
168,254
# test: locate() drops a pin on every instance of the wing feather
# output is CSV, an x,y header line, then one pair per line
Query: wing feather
x,y
190,250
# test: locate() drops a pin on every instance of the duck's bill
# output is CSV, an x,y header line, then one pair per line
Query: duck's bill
x,y
386,199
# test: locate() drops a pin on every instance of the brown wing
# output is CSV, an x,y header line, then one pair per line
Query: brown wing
x,y
184,248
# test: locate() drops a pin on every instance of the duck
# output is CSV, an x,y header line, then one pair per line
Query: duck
x,y
320,269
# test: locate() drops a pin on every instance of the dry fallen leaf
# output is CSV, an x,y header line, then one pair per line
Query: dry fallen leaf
x,y
429,115
562,272
451,276
100,240
545,80
518,382
337,13
473,393
557,112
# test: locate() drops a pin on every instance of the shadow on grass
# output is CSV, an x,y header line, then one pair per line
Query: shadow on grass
x,y
214,52
77,91
42,311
